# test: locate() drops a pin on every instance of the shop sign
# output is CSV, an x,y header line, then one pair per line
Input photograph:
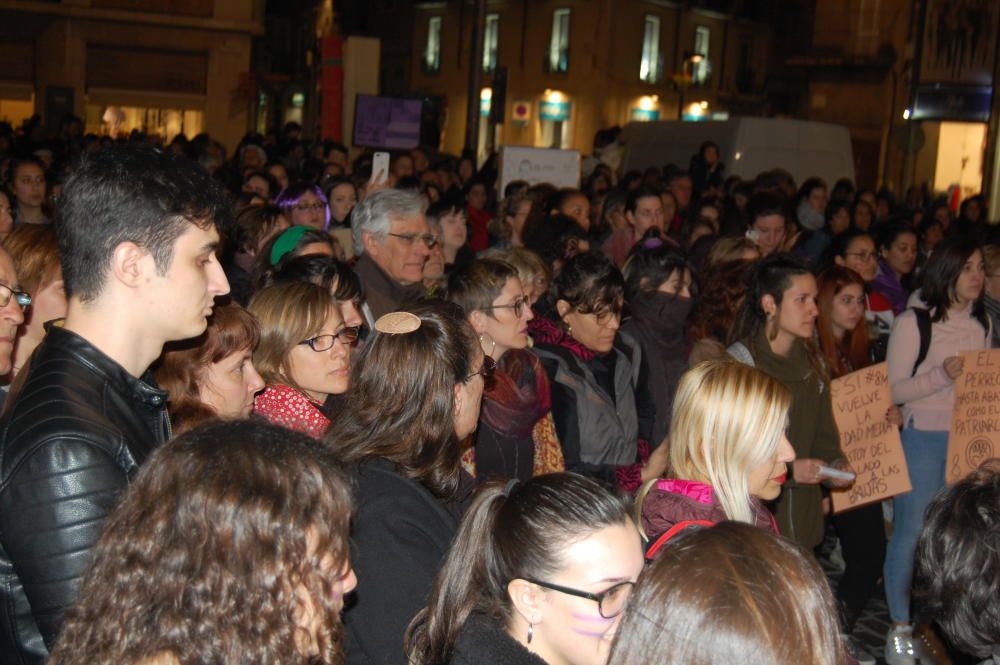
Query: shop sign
x,y
555,111
964,103
521,112
645,115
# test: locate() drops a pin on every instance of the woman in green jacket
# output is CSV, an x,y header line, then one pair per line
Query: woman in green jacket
x,y
774,332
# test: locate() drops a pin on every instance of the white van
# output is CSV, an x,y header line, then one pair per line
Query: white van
x,y
747,146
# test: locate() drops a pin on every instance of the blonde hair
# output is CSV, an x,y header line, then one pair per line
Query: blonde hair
x,y
288,313
528,265
728,419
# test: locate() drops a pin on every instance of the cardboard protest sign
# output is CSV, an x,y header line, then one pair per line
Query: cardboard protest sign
x,y
975,422
870,443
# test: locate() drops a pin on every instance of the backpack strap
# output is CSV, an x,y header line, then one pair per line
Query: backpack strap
x,y
924,328
662,539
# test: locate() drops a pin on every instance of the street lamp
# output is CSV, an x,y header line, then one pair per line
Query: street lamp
x,y
686,64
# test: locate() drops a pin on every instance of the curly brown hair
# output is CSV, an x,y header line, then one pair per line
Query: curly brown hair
x,y
207,555
723,289
230,329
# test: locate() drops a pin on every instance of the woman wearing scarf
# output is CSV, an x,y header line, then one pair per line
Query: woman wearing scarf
x,y
658,291
515,437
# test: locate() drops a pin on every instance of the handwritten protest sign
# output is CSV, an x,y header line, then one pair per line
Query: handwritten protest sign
x,y
975,422
870,443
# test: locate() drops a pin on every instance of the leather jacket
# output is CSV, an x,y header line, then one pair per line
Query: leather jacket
x,y
73,437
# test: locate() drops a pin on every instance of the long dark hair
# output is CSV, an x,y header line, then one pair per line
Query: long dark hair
x,y
401,403
732,593
854,346
504,536
203,558
942,272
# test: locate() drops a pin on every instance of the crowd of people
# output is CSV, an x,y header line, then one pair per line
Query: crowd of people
x,y
279,408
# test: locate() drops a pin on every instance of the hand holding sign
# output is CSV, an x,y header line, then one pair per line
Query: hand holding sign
x,y
975,423
868,437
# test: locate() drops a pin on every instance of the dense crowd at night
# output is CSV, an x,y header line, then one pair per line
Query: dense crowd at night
x,y
279,405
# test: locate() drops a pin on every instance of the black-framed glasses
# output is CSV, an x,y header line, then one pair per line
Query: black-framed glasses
x,y
610,602
347,336
22,298
517,306
485,370
428,239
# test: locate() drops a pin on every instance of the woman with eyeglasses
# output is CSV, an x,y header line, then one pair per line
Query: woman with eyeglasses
x,y
603,412
415,395
36,260
304,354
306,205
855,249
539,574
515,415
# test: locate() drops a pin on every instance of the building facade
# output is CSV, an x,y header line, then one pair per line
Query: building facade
x,y
575,66
160,66
912,80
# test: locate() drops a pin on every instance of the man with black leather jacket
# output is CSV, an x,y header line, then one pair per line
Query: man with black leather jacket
x,y
137,241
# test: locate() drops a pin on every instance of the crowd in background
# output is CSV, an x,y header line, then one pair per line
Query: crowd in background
x,y
247,393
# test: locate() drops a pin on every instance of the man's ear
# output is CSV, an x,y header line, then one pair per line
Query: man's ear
x,y
371,244
129,264
527,600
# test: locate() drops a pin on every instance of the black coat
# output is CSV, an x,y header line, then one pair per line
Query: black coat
x,y
401,535
483,641
70,442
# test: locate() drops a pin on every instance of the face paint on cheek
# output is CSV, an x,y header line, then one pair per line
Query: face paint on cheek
x,y
600,625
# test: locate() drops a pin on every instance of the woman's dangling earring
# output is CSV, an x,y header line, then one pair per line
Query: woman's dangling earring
x,y
531,632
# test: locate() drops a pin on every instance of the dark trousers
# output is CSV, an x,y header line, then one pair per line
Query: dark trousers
x,y
862,541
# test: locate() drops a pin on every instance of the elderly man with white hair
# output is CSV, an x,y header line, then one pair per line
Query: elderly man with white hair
x,y
392,240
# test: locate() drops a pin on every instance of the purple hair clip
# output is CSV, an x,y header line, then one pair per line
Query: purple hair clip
x,y
652,243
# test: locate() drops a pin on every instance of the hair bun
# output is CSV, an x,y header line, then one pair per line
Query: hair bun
x,y
398,323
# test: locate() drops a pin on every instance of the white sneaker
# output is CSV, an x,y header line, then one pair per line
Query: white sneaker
x,y
899,646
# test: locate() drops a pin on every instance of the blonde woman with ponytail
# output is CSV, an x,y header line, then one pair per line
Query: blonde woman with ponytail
x,y
728,450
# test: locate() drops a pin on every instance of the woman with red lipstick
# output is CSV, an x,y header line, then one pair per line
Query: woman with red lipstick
x,y
304,354
773,332
212,375
728,451
538,574
515,412
843,338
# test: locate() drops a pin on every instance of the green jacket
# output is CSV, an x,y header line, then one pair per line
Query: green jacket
x,y
811,431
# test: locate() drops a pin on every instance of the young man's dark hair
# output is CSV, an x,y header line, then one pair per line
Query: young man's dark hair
x,y
138,242
139,195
